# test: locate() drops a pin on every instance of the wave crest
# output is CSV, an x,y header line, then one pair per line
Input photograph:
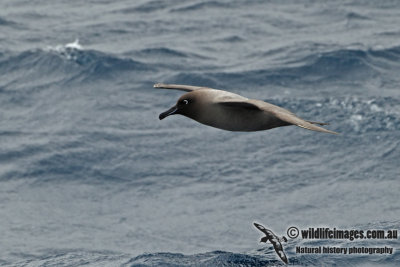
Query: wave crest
x,y
66,63
343,66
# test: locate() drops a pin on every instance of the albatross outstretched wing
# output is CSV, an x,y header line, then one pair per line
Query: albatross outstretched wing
x,y
187,88
289,117
278,112
293,119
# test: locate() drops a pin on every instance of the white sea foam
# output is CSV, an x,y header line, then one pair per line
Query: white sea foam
x,y
62,48
74,45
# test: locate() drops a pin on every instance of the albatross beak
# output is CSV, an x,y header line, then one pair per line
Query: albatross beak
x,y
170,111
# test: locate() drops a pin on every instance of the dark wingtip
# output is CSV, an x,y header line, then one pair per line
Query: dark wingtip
x,y
319,123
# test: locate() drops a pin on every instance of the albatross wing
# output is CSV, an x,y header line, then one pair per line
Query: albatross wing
x,y
278,112
186,88
291,118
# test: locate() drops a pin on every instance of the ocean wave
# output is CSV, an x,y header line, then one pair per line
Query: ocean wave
x,y
96,258
70,62
215,258
65,63
356,16
195,79
151,6
72,258
333,67
262,257
202,5
339,65
232,39
95,63
5,22
164,52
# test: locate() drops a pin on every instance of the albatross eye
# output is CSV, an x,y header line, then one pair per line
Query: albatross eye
x,y
185,102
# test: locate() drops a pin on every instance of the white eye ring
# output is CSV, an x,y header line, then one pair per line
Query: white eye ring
x,y
185,102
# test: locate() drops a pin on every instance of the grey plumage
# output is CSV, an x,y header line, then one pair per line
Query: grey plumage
x,y
232,112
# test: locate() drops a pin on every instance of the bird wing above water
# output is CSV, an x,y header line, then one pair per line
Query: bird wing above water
x,y
186,88
266,231
279,250
302,123
278,112
274,241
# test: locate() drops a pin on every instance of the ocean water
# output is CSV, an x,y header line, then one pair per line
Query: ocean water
x,y
90,176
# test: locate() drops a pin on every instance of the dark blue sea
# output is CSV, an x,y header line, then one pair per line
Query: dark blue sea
x,y
89,176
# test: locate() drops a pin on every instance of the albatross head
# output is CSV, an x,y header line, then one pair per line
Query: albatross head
x,y
186,105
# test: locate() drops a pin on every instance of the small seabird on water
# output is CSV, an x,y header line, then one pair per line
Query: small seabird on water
x,y
275,241
232,112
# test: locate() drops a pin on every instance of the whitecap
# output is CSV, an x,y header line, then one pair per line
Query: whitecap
x,y
74,45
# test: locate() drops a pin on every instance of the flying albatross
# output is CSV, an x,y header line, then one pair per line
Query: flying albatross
x,y
232,112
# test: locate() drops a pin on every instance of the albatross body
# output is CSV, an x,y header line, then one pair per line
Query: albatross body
x,y
232,112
